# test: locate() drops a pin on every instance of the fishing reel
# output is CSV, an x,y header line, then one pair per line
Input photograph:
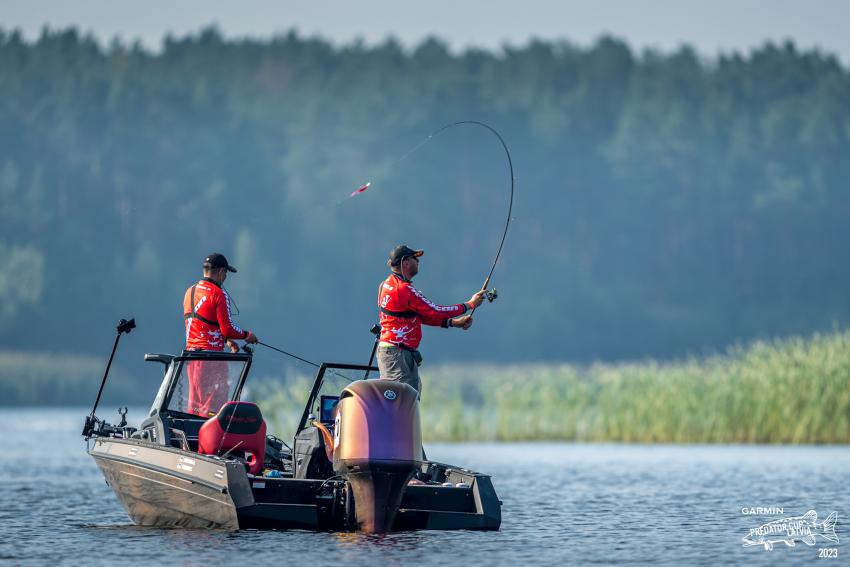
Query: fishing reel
x,y
491,294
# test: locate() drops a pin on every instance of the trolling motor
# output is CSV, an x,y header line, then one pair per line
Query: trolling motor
x,y
94,426
375,330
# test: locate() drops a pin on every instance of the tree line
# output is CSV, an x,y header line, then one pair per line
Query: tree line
x,y
666,204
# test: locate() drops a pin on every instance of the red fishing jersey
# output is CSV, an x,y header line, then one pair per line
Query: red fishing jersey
x,y
207,314
404,309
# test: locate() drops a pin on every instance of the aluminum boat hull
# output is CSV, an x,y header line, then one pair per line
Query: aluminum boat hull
x,y
168,487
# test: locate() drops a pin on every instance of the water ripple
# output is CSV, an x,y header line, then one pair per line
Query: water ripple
x,y
585,504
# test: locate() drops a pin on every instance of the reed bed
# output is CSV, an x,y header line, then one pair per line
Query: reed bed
x,y
788,391
48,379
282,402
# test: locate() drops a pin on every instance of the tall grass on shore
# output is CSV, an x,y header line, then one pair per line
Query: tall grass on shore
x,y
788,391
47,379
282,402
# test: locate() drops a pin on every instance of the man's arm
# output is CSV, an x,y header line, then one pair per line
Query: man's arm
x,y
439,315
229,329
465,321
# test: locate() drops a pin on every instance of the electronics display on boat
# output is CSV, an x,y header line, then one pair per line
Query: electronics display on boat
x,y
328,405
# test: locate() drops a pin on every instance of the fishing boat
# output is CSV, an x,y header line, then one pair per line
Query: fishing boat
x,y
355,464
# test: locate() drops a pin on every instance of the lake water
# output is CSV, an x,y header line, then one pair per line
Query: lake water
x,y
582,504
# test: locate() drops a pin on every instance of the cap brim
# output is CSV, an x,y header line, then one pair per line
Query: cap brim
x,y
231,269
418,253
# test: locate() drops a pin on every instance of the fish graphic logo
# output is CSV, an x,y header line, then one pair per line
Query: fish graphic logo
x,y
401,334
803,528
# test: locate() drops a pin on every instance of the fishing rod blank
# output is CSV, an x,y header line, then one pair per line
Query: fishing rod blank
x,y
491,295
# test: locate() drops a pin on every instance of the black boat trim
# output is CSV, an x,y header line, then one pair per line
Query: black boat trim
x,y
287,504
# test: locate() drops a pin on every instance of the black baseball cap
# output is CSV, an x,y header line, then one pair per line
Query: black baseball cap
x,y
400,252
216,260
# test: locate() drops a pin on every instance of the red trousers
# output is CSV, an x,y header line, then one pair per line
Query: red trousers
x,y
209,386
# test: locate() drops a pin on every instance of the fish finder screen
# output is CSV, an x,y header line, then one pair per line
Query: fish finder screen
x,y
328,406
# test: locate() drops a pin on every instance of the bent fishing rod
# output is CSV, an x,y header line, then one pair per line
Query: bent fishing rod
x,y
491,295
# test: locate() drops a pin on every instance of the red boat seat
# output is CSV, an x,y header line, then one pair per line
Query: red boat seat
x,y
238,426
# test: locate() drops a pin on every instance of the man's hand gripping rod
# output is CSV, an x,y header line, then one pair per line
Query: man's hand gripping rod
x,y
489,294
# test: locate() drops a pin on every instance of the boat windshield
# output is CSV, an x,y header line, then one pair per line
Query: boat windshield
x,y
330,382
203,386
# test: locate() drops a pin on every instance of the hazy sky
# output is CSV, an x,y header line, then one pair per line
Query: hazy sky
x,y
709,25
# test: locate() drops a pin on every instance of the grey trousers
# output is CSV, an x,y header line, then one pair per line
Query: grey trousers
x,y
397,364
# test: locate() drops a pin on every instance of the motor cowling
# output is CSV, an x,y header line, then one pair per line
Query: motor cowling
x,y
377,447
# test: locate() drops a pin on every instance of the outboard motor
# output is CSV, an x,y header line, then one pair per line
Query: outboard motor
x,y
377,445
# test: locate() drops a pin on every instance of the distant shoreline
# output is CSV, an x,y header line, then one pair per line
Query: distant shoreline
x,y
793,391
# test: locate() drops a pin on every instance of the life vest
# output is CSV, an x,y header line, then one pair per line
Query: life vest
x,y
206,311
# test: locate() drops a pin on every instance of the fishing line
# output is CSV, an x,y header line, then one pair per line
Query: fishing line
x,y
232,302
296,357
491,295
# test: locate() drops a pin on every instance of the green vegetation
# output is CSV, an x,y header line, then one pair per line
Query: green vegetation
x,y
44,379
283,403
665,203
790,391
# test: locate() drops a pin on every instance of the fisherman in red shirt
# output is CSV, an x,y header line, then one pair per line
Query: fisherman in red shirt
x,y
209,325
403,310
